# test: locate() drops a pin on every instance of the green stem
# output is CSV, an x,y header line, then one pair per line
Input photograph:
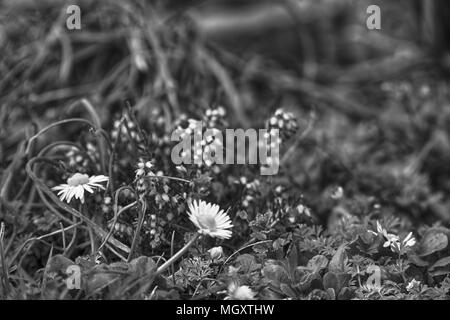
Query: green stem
x,y
177,255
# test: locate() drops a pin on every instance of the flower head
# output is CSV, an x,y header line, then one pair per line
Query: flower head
x,y
236,292
391,240
210,220
413,285
371,287
143,167
400,246
77,184
216,253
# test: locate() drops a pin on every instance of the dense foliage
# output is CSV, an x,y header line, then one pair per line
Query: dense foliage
x,y
359,209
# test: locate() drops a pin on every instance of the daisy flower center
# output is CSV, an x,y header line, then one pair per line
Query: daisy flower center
x,y
207,221
78,179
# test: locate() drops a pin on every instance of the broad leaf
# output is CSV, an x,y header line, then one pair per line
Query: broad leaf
x,y
433,241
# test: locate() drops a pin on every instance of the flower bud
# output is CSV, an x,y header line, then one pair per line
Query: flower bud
x,y
216,253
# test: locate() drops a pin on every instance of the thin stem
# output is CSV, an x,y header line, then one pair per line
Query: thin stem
x,y
167,177
111,230
5,276
143,209
177,255
34,137
244,247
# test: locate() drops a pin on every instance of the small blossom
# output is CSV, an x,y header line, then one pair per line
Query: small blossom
x,y
338,193
216,253
210,220
303,210
77,184
391,240
371,287
399,246
380,230
236,292
413,285
409,241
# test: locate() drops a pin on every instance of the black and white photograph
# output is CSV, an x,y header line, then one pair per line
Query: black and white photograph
x,y
225,155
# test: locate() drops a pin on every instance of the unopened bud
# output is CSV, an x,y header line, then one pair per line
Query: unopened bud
x,y
216,253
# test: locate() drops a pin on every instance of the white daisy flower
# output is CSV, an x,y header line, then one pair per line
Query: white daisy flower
x,y
77,184
210,220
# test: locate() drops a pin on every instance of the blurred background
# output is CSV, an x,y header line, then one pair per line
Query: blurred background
x,y
123,47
